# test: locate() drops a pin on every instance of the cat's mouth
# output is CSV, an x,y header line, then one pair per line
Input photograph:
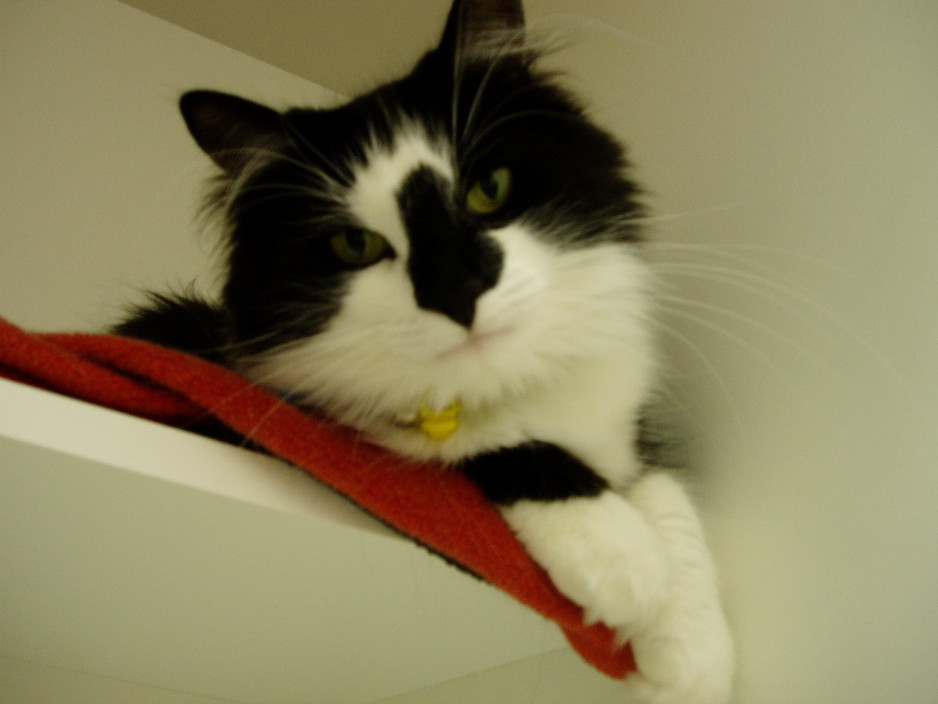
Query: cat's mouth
x,y
475,341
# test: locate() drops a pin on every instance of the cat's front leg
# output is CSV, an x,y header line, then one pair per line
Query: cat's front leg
x,y
636,561
598,548
686,655
601,553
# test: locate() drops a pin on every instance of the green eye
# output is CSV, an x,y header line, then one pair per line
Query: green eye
x,y
359,247
490,193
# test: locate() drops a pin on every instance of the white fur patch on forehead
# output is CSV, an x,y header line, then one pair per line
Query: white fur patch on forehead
x,y
372,198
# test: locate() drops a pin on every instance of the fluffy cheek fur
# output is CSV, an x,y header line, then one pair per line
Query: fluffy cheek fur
x,y
558,352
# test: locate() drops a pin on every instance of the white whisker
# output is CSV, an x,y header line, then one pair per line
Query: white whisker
x,y
746,320
698,352
738,339
758,286
811,311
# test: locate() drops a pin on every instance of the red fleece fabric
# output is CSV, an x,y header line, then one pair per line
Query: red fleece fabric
x,y
436,507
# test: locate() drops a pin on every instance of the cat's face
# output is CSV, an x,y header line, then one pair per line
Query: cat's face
x,y
460,235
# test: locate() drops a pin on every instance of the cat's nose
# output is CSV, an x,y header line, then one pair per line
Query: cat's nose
x,y
462,312
452,261
453,287
458,302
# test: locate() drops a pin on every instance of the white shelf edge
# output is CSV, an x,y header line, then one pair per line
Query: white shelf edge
x,y
137,445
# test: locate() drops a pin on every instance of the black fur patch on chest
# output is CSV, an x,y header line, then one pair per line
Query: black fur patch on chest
x,y
536,471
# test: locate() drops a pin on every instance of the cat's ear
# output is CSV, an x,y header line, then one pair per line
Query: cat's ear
x,y
480,29
231,130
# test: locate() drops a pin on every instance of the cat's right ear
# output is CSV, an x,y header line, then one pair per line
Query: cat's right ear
x,y
481,29
231,130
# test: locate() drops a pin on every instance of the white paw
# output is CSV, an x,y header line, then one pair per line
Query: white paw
x,y
602,554
685,656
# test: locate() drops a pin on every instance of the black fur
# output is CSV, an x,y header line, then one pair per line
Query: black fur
x,y
189,324
536,470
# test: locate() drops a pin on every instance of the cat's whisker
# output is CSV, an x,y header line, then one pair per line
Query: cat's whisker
x,y
278,191
685,215
216,408
734,252
745,344
758,286
585,21
493,125
336,173
813,312
744,319
506,48
711,368
663,396
458,66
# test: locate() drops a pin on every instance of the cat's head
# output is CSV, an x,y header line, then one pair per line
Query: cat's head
x,y
463,234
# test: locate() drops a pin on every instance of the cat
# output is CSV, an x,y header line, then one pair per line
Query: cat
x,y
451,264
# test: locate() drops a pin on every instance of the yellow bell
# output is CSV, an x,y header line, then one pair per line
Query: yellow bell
x,y
439,425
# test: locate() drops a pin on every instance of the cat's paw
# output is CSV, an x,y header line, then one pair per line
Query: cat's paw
x,y
602,554
685,656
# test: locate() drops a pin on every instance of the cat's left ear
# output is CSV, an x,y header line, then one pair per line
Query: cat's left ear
x,y
231,130
481,29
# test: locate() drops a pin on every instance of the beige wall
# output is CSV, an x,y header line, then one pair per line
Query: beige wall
x,y
101,182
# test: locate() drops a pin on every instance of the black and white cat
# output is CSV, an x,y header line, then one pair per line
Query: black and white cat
x,y
450,264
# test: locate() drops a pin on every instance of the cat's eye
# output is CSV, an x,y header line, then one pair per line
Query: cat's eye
x,y
490,192
359,247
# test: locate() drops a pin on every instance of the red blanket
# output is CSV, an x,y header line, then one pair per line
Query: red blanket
x,y
437,508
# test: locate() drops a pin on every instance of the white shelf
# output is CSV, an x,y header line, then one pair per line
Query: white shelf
x,y
141,555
